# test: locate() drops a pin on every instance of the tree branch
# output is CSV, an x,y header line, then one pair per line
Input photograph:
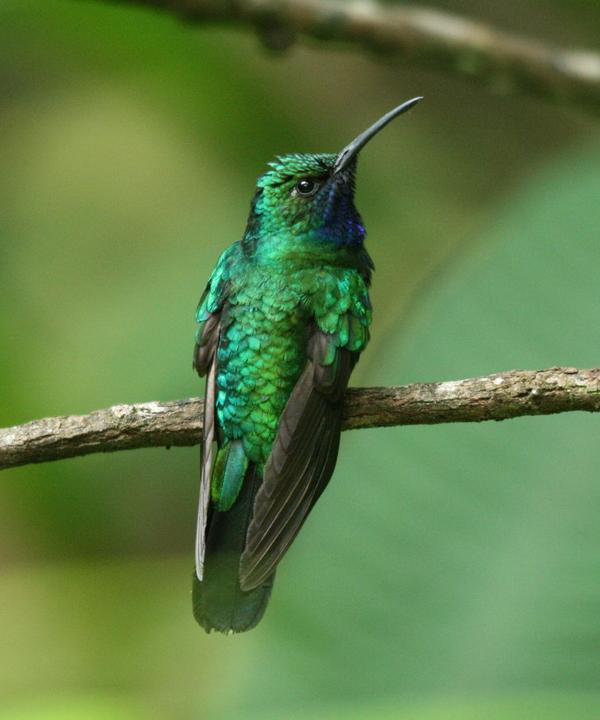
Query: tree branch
x,y
154,424
419,36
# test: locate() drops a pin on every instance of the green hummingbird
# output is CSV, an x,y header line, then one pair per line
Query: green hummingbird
x,y
282,322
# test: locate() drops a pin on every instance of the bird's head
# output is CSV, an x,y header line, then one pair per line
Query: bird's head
x,y
307,200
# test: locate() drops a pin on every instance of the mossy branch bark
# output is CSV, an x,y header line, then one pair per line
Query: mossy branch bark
x,y
415,36
164,424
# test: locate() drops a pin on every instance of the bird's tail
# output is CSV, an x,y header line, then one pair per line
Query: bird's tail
x,y
219,602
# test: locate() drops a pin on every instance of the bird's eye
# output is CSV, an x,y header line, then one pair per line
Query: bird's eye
x,y
306,187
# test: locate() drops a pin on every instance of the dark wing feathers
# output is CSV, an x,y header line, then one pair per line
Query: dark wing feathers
x,y
205,364
283,524
302,458
208,459
207,342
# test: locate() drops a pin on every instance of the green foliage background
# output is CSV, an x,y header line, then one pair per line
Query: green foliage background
x,y
448,572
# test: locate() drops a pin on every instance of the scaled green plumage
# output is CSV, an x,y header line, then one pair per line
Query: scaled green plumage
x,y
282,322
262,348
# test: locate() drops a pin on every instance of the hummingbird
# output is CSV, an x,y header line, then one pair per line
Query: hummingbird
x,y
281,324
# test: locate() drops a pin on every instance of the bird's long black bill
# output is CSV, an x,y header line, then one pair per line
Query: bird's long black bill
x,y
351,150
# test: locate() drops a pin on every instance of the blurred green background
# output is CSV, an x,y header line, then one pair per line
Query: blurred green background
x,y
449,572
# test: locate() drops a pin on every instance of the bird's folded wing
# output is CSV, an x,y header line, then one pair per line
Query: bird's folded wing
x,y
211,311
302,459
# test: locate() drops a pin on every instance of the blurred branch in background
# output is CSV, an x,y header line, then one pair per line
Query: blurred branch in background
x,y
492,397
418,36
